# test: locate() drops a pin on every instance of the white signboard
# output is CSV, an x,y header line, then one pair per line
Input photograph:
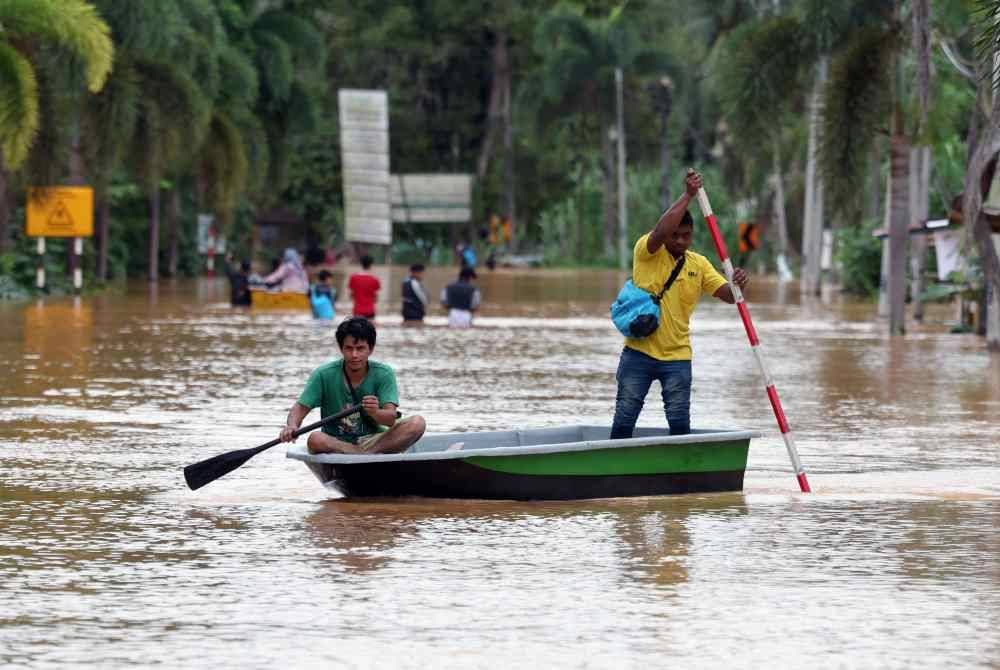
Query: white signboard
x,y
364,151
431,198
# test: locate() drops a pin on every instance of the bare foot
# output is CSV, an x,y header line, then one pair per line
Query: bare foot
x,y
321,443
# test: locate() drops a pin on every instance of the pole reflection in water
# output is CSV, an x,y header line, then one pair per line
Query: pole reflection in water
x,y
107,559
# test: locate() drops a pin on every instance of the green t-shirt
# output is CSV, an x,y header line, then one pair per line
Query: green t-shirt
x,y
327,389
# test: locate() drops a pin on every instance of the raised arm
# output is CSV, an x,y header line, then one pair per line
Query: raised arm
x,y
667,224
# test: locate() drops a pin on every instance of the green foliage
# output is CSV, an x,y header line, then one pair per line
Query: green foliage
x,y
224,165
860,256
756,67
173,116
857,105
72,26
238,97
314,184
572,228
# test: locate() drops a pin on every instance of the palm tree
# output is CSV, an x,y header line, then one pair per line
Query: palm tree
x,y
757,66
173,116
864,96
73,26
153,116
578,58
287,50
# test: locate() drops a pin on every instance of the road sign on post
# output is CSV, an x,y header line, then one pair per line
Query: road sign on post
x,y
749,237
60,211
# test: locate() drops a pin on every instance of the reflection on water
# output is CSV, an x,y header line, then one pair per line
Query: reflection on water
x,y
107,559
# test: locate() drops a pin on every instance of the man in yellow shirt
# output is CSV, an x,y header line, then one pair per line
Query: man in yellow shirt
x,y
665,355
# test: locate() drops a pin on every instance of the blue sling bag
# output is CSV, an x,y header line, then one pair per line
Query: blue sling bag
x,y
636,312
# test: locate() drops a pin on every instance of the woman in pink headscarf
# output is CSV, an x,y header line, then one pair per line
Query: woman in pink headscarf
x,y
290,275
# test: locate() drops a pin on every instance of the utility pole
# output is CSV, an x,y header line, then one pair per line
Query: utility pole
x,y
623,259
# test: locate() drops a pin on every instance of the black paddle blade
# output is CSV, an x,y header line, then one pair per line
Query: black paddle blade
x,y
204,472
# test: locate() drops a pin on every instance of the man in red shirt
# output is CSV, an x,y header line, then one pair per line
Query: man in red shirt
x,y
364,286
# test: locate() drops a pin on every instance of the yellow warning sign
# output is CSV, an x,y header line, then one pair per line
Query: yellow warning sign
x,y
60,211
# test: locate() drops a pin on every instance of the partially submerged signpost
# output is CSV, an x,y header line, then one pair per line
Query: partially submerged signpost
x,y
60,211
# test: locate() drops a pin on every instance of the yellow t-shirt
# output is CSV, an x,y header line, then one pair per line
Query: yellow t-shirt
x,y
670,341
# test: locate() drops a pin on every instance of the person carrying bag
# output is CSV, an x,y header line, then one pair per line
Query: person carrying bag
x,y
657,326
636,312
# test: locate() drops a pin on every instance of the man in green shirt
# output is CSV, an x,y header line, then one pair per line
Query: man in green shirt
x,y
348,381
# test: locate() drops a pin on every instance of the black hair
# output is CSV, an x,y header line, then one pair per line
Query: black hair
x,y
466,273
417,267
366,261
686,220
357,327
324,275
245,266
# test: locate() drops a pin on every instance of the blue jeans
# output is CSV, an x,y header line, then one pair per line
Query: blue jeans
x,y
636,372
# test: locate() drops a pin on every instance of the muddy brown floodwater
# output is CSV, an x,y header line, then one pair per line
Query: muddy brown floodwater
x,y
107,559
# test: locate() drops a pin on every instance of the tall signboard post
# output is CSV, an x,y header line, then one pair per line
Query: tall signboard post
x,y
364,146
60,211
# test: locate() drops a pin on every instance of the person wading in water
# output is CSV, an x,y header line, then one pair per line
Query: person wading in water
x,y
461,298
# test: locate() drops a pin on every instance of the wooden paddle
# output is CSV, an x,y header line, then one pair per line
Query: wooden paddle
x,y
204,472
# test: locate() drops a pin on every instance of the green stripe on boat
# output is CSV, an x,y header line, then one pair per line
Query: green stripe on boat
x,y
647,460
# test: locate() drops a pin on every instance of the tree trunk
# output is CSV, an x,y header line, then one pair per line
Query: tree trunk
x,y
499,94
510,204
624,258
922,51
981,230
154,233
983,145
608,172
664,163
899,221
812,225
992,301
173,232
920,177
883,277
4,209
103,227
875,195
920,165
784,274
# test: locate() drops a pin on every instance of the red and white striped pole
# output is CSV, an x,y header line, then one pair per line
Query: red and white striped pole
x,y
741,305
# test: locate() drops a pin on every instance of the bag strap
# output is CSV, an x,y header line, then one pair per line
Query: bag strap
x,y
364,415
672,277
